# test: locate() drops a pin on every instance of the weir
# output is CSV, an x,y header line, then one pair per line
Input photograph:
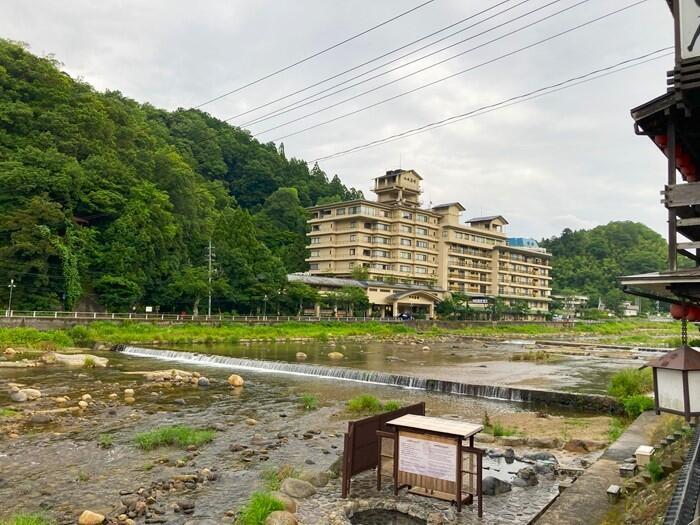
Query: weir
x,y
585,402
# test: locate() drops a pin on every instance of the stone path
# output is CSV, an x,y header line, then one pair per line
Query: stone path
x,y
519,506
585,502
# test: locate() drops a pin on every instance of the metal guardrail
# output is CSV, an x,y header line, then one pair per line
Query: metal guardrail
x,y
134,316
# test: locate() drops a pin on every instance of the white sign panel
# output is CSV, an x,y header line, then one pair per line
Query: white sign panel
x,y
689,11
428,458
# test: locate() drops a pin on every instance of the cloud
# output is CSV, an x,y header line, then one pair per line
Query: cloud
x,y
569,159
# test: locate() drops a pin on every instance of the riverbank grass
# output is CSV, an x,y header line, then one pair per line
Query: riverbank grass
x,y
27,519
309,401
179,436
256,511
8,412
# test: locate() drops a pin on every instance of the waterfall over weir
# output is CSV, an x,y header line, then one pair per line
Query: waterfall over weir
x,y
587,402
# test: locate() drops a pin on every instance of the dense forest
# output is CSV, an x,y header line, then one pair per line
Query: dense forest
x,y
107,202
589,262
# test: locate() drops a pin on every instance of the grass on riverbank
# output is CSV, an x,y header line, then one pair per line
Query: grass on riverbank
x,y
622,332
27,519
366,404
256,511
178,435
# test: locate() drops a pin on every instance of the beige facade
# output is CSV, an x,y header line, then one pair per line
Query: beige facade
x,y
398,242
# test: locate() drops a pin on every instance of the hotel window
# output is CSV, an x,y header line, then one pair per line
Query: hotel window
x,y
380,253
382,226
368,238
421,244
353,210
315,253
340,211
405,268
353,237
405,228
421,269
406,242
406,215
351,251
422,218
315,240
421,257
380,240
326,212
315,228
421,231
405,255
313,266
366,253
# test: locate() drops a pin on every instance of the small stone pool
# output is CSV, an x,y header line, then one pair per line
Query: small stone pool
x,y
385,517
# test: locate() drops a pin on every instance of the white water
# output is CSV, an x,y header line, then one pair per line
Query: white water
x,y
362,376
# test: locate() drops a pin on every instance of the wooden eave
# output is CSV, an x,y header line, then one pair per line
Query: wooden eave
x,y
682,358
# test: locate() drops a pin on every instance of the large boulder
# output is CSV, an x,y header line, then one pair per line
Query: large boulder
x,y
301,356
9,352
297,488
492,486
20,395
90,518
526,477
290,505
317,478
235,380
281,517
583,445
544,442
542,456
335,355
77,360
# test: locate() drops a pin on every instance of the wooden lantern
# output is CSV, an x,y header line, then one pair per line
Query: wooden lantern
x,y
677,382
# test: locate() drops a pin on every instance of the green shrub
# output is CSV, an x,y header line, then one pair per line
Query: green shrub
x,y
392,405
309,401
260,506
364,404
274,477
105,441
178,435
635,405
655,470
89,362
630,382
499,430
27,519
8,412
617,427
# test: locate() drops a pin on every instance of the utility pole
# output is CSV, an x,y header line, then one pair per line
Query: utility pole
x,y
210,256
11,286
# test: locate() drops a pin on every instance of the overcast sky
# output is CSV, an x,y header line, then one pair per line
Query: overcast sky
x,y
569,159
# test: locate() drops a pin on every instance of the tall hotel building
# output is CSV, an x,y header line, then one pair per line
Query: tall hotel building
x,y
415,256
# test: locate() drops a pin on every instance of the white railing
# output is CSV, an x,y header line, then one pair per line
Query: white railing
x,y
201,318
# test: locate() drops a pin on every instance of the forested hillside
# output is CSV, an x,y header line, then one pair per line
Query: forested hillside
x,y
589,262
108,201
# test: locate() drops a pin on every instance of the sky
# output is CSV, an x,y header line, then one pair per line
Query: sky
x,y
569,159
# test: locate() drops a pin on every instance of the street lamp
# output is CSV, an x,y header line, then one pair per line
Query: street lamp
x,y
265,305
11,286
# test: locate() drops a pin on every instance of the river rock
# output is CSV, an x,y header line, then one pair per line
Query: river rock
x,y
509,454
251,422
86,397
336,468
129,400
17,395
335,355
9,352
32,393
544,442
235,380
290,505
41,419
90,518
128,391
513,441
77,360
542,456
281,517
297,488
426,348
583,445
492,486
301,356
83,404
203,381
317,478
484,438
526,477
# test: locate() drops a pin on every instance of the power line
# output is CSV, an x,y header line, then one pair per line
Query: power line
x,y
421,70
354,68
501,57
546,90
314,55
298,104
